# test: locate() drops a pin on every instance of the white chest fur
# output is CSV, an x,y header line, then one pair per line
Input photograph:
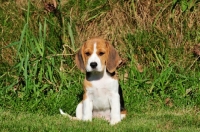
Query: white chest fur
x,y
102,91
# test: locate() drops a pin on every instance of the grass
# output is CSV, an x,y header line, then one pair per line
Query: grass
x,y
159,76
156,120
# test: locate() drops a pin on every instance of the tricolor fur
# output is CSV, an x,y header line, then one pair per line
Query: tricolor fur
x,y
102,94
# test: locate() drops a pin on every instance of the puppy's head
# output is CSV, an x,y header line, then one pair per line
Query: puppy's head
x,y
97,54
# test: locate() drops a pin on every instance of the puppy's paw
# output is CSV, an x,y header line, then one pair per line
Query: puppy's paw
x,y
114,121
87,118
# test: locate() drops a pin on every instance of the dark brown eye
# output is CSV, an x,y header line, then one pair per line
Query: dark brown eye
x,y
87,53
101,53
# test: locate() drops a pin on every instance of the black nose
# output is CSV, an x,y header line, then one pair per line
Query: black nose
x,y
93,64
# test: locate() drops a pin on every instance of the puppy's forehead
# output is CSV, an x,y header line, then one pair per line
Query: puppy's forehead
x,y
100,43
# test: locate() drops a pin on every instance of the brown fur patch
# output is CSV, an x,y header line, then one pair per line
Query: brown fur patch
x,y
86,85
124,112
113,59
84,96
79,61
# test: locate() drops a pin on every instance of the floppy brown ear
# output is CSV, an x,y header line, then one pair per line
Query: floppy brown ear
x,y
113,59
79,61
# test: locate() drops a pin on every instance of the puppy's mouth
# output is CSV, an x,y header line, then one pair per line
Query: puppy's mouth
x,y
96,70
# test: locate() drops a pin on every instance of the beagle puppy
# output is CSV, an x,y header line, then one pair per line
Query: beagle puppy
x,y
102,94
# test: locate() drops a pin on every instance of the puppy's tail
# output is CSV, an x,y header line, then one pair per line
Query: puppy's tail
x,y
65,114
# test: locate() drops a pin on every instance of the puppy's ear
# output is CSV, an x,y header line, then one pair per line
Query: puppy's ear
x,y
113,59
79,61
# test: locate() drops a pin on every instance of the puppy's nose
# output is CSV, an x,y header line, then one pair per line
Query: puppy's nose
x,y
93,64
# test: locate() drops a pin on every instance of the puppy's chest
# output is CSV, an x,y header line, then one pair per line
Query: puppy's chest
x,y
101,91
103,87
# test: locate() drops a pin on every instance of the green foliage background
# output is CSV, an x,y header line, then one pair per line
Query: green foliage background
x,y
37,70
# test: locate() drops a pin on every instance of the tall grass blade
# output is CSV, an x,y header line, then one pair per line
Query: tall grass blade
x,y
44,31
26,70
10,45
71,36
21,40
28,12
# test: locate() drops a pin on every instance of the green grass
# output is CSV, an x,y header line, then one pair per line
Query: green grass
x,y
160,75
155,120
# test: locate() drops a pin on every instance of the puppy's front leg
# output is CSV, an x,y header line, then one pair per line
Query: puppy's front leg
x,y
115,109
87,110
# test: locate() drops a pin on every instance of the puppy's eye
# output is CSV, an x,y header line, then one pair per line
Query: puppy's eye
x,y
87,53
101,53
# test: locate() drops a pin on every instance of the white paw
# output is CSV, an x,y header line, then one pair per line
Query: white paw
x,y
114,121
123,116
85,118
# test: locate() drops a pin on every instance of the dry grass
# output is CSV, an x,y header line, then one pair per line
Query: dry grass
x,y
110,25
126,18
120,19
11,20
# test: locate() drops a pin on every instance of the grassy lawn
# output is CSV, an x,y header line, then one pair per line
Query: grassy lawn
x,y
183,120
158,41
